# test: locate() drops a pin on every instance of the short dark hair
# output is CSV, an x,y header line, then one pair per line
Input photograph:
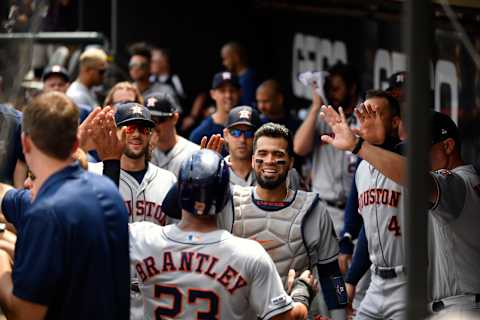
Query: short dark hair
x,y
393,103
347,72
140,49
274,130
51,121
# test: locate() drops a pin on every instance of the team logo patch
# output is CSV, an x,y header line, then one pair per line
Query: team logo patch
x,y
340,289
199,207
194,237
445,172
280,300
245,114
136,109
151,102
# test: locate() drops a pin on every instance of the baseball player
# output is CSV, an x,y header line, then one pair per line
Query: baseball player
x,y
332,170
142,184
381,205
455,255
195,271
242,123
292,225
169,149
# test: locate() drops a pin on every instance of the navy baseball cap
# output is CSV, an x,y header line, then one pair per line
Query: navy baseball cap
x,y
244,115
161,104
443,128
55,70
133,112
225,77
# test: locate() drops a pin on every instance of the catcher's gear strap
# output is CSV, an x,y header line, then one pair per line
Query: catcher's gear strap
x,y
333,286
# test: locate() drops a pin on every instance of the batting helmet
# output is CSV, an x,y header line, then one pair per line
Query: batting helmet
x,y
204,183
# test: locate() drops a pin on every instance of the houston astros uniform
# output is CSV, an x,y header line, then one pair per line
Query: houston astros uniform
x,y
332,173
454,240
173,159
214,275
380,202
143,201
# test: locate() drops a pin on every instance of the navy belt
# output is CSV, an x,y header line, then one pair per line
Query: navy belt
x,y
439,305
385,273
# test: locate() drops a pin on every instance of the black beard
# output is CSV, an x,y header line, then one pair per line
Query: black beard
x,y
133,155
271,184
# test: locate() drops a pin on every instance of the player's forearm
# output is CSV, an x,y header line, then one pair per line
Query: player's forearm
x,y
390,164
298,312
305,136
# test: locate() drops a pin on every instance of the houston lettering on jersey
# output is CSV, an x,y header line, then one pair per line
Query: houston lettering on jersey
x,y
148,209
194,262
378,196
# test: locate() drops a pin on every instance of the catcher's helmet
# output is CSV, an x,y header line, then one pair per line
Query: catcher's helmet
x,y
204,183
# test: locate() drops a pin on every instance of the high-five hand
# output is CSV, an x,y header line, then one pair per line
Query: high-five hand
x,y
344,138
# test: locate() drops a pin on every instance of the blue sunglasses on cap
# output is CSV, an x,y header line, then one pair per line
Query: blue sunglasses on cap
x,y
238,132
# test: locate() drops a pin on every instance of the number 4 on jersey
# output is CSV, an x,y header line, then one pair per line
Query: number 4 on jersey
x,y
394,226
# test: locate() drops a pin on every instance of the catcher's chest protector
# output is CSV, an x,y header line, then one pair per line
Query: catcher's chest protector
x,y
279,231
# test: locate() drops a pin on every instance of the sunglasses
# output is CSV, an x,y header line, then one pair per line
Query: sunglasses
x,y
142,129
238,132
159,120
141,65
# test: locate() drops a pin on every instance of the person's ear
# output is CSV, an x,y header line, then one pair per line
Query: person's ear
x,y
449,146
175,118
26,143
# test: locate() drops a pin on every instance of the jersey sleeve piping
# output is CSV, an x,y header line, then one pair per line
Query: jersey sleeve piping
x,y
277,311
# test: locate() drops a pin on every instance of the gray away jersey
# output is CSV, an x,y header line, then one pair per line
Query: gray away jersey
x,y
380,202
454,236
143,201
332,169
214,275
172,160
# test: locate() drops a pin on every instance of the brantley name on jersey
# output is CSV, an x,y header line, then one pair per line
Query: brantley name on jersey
x,y
189,261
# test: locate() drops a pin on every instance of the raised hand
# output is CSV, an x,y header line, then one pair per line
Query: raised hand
x,y
371,128
215,143
109,143
344,138
84,133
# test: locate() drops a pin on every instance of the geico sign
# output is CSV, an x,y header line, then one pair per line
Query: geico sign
x,y
314,53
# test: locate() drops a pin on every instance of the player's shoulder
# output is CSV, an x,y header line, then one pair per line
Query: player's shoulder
x,y
188,145
142,228
248,248
159,173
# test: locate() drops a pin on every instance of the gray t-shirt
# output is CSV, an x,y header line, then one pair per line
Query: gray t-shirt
x,y
81,95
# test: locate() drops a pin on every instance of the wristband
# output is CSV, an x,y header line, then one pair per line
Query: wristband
x,y
358,145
